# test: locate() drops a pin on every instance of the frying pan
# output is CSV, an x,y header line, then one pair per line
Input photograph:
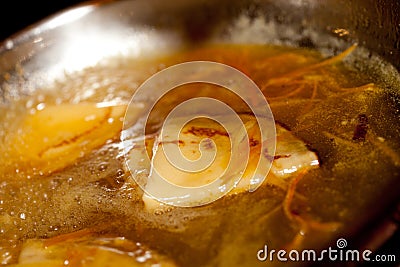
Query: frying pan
x,y
45,49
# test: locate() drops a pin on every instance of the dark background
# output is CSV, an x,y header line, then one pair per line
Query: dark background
x,y
17,15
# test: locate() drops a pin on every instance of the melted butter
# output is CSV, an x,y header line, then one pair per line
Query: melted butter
x,y
320,107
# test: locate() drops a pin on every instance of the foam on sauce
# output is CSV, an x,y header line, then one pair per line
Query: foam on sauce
x,y
321,106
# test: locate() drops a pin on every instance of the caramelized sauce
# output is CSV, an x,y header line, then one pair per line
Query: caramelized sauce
x,y
328,105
